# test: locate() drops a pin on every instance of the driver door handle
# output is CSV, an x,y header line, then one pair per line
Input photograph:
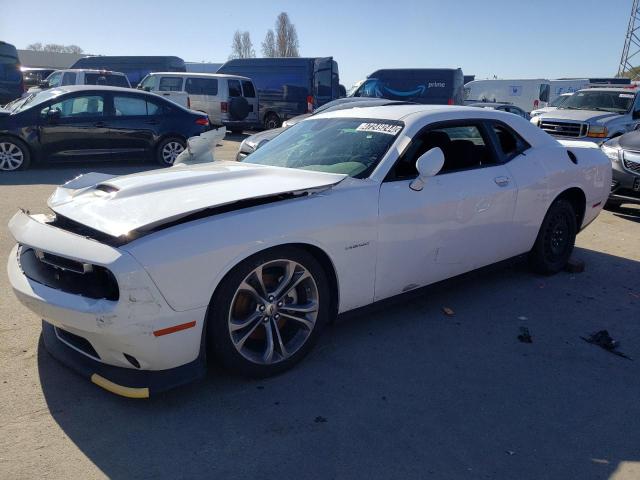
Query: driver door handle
x,y
100,124
502,181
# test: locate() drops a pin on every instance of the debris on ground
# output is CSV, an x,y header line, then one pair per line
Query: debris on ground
x,y
603,340
574,266
448,311
320,419
525,336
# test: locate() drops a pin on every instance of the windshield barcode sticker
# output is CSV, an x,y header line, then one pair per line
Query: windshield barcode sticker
x,y
626,95
387,128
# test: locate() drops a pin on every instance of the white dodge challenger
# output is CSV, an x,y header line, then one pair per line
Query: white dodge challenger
x,y
140,278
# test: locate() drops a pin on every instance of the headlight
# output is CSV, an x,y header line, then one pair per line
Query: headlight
x,y
536,120
597,131
611,152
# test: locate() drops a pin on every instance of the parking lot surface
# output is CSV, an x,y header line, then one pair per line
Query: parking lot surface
x,y
398,390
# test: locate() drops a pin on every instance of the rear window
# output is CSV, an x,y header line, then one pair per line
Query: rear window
x,y
248,89
102,79
201,86
234,88
170,84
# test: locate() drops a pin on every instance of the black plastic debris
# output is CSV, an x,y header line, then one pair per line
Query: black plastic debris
x,y
525,336
603,340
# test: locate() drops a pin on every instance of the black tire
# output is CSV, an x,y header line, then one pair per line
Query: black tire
x,y
555,240
238,108
166,143
220,311
271,120
13,150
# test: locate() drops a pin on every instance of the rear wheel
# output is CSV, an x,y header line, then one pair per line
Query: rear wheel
x,y
169,149
271,120
555,240
14,154
268,312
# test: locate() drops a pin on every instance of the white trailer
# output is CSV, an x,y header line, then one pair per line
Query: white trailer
x,y
528,94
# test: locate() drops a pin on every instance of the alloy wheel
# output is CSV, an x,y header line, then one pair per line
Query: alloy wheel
x,y
170,152
11,156
273,312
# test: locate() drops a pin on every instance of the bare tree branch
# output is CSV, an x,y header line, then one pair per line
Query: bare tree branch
x,y
286,37
269,45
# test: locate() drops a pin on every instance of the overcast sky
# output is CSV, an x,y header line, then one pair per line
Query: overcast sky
x,y
510,39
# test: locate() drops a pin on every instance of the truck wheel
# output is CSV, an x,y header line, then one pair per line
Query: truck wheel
x,y
271,120
555,240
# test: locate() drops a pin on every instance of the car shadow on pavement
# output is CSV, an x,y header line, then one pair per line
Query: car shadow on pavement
x,y
628,213
402,390
59,174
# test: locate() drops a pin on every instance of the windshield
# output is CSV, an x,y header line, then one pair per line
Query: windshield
x,y
352,146
559,100
34,99
606,101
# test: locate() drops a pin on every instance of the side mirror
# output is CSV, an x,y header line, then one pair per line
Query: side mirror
x,y
44,84
53,114
428,165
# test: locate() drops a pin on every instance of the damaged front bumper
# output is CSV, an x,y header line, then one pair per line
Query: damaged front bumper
x,y
132,340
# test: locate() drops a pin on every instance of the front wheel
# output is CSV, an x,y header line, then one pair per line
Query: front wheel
x,y
168,150
555,240
268,312
14,154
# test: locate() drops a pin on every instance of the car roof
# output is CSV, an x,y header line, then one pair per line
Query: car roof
x,y
93,88
394,112
200,75
625,89
491,104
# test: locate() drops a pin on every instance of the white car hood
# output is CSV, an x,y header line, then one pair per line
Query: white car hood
x,y
142,201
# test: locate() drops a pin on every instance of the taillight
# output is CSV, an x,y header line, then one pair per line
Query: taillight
x,y
450,101
224,107
204,121
309,104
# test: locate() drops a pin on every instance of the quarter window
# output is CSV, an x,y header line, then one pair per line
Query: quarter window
x,y
170,84
509,143
55,79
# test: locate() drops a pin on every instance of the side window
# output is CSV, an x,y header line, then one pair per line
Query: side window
x,y
247,88
129,106
170,84
510,143
201,86
69,78
78,107
463,146
234,88
55,79
147,82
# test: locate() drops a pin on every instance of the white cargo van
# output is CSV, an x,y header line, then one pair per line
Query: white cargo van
x,y
528,94
229,100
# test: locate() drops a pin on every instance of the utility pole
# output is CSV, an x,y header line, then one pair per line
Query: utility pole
x,y
631,42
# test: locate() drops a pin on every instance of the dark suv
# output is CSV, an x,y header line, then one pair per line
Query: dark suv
x,y
85,122
11,84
